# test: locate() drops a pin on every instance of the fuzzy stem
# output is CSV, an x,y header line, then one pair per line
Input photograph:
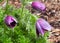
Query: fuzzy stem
x,y
6,10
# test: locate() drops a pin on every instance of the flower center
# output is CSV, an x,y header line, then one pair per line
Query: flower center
x,y
12,24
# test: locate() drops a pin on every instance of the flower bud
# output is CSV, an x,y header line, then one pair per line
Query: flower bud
x,y
38,6
10,21
42,26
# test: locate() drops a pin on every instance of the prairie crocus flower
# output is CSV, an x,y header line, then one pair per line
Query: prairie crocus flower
x,y
42,26
10,21
38,6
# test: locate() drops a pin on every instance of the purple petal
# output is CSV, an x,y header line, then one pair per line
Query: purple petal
x,y
44,24
10,21
39,29
38,5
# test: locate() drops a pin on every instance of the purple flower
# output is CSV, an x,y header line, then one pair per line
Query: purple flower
x,y
10,21
42,26
38,6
